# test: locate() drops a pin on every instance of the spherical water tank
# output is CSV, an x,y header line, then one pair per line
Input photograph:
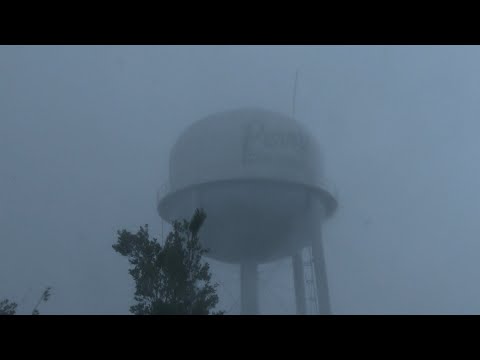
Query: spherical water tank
x,y
256,174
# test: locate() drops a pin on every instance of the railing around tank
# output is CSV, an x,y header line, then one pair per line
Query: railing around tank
x,y
323,184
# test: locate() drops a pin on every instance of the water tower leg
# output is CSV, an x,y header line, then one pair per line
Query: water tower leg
x,y
316,214
249,288
299,283
321,280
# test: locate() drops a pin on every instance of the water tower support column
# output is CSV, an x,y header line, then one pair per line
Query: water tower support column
x,y
321,280
299,283
317,213
249,288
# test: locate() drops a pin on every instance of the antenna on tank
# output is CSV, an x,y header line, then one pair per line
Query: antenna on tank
x,y
294,94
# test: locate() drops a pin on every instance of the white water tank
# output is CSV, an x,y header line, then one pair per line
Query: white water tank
x,y
256,173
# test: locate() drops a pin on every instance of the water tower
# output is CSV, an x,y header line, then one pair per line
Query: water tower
x,y
258,175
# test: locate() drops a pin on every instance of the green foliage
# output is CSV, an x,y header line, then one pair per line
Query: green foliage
x,y
8,307
44,298
171,278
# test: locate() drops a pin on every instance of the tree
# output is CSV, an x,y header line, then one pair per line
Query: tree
x,y
171,278
44,298
8,307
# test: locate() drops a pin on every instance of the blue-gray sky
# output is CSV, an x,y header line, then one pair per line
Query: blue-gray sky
x,y
85,133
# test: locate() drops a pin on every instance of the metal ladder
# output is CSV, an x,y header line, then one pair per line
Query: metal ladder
x,y
311,289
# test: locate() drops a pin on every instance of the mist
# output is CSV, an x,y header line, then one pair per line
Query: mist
x,y
85,139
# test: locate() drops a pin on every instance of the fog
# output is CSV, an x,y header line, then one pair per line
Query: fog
x,y
85,136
